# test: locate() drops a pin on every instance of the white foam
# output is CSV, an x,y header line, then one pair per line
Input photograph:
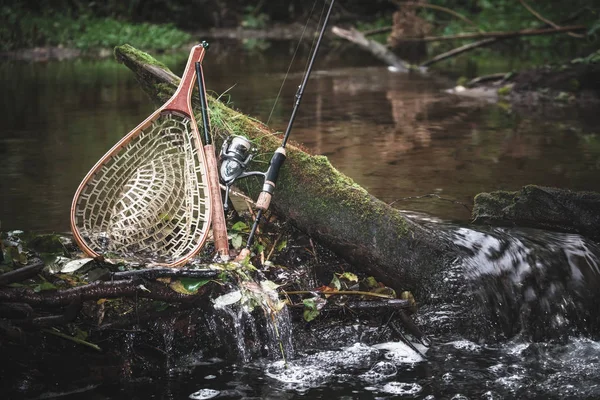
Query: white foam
x,y
402,389
465,345
400,353
379,372
310,375
204,394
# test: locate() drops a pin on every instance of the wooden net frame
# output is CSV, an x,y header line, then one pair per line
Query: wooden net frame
x,y
148,198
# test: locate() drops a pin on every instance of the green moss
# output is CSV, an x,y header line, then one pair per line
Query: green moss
x,y
505,90
563,97
574,84
137,55
462,81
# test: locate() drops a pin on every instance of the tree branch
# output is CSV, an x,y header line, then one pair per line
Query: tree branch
x,y
22,273
95,291
376,48
500,34
459,50
547,21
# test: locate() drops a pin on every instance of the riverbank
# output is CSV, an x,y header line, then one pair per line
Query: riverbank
x,y
41,38
575,82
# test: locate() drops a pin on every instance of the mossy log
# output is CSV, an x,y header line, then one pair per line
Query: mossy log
x,y
315,197
541,207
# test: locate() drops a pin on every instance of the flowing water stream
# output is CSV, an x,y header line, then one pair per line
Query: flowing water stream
x,y
516,318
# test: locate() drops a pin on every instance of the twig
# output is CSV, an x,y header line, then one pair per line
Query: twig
x,y
274,244
238,194
73,339
499,34
153,273
340,292
439,8
367,305
459,50
431,195
312,244
547,21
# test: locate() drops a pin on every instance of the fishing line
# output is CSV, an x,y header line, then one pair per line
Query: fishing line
x,y
292,61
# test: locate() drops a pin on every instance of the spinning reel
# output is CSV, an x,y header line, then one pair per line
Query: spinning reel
x,y
236,154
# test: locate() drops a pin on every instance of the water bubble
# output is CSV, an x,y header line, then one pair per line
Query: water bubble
x,y
465,345
402,389
400,353
380,371
204,394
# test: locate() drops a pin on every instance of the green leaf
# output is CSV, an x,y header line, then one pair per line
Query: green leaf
x,y
236,241
371,282
349,276
44,286
312,308
282,245
309,314
335,283
192,284
239,226
268,285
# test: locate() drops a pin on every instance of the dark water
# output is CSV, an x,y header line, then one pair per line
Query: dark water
x,y
516,319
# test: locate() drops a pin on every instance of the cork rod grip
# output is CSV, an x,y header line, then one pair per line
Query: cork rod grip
x,y
264,201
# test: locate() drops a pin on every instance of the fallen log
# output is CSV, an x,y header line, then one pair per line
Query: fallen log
x,y
327,205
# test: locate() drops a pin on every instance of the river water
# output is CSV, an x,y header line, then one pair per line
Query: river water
x,y
515,319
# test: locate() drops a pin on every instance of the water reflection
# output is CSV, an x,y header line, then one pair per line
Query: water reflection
x,y
398,135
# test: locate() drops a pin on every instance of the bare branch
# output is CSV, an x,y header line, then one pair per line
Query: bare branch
x,y
500,34
547,21
376,48
459,50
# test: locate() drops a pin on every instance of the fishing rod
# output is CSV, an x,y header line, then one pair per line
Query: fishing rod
x,y
219,225
237,153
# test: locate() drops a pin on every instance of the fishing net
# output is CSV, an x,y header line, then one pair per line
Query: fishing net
x,y
150,199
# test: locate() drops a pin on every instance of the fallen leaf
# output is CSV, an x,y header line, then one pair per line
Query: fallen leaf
x,y
228,299
74,265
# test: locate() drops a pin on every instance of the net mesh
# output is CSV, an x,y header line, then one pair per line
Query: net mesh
x,y
150,200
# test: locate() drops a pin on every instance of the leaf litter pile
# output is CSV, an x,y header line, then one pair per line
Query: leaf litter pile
x,y
49,288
